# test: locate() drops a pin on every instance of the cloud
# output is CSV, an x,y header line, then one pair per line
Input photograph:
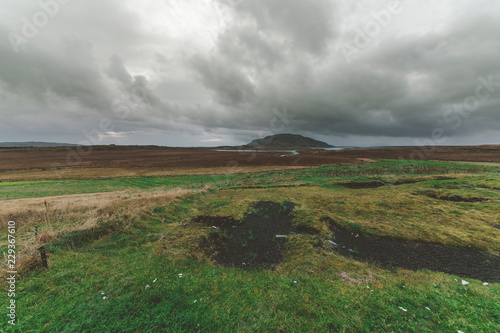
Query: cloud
x,y
221,69
402,85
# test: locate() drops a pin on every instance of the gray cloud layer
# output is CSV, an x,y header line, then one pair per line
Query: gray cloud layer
x,y
201,72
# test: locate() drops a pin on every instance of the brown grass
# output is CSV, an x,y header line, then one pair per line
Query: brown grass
x,y
78,212
349,279
62,214
136,161
85,173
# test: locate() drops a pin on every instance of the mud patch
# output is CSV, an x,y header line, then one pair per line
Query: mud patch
x,y
457,198
402,181
389,253
257,241
406,181
360,185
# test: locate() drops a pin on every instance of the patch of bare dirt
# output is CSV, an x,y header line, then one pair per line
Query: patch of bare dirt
x,y
257,241
360,185
390,253
457,198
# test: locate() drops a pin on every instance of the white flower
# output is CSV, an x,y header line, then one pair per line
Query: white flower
x,y
102,293
104,297
485,283
180,275
195,301
294,281
155,280
403,309
147,286
428,308
464,282
460,332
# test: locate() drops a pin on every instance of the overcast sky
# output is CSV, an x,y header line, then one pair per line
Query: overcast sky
x,y
214,72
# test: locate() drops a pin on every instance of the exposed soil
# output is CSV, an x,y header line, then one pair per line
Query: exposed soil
x,y
457,198
389,253
405,181
258,240
251,243
413,181
360,185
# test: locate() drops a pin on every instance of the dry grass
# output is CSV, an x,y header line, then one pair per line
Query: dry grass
x,y
349,279
85,173
62,214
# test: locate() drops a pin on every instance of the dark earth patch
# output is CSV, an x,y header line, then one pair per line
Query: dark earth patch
x,y
406,181
389,253
359,185
497,226
458,198
251,243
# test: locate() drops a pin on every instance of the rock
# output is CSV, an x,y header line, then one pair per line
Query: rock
x,y
332,242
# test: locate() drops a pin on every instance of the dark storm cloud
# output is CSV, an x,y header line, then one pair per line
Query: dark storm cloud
x,y
404,86
136,87
228,69
304,25
71,73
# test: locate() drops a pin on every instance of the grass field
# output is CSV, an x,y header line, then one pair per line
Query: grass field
x,y
128,255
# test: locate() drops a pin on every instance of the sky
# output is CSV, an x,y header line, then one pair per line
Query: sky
x,y
225,72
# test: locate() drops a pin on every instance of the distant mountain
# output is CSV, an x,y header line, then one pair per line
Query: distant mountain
x,y
282,142
33,144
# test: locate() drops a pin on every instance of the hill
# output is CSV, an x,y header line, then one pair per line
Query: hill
x,y
283,141
34,144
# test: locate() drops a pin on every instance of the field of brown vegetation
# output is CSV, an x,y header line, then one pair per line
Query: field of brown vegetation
x,y
131,161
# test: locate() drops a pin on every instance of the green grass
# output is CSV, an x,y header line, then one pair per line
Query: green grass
x,y
312,290
326,176
17,190
67,298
